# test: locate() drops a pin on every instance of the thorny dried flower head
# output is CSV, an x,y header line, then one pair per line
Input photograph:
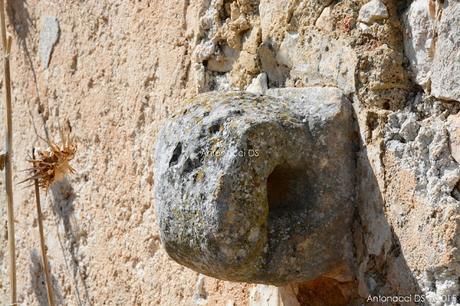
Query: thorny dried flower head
x,y
50,165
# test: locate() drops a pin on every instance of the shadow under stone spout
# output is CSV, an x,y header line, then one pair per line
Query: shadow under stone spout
x,y
259,188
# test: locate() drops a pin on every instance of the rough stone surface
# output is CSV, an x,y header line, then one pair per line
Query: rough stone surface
x,y
258,85
257,188
423,186
319,61
120,68
325,21
446,61
419,41
271,13
373,11
454,136
49,35
432,33
409,128
117,71
263,295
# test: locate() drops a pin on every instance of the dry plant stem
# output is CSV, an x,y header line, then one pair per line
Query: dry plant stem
x,y
49,285
6,41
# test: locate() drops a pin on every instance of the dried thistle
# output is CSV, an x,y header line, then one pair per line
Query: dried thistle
x,y
52,164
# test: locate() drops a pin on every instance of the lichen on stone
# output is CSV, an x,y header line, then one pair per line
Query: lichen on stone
x,y
275,185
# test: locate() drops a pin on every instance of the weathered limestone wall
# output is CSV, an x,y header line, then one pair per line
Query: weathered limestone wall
x,y
116,70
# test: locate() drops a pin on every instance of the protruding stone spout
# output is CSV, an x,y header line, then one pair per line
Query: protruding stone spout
x,y
258,188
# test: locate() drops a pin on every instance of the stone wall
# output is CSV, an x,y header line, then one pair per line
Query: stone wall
x,y
115,71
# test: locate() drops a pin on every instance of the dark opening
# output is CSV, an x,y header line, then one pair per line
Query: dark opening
x,y
216,127
176,154
286,189
458,296
456,192
326,291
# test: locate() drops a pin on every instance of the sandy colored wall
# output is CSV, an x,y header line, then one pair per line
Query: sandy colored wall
x,y
119,69
116,72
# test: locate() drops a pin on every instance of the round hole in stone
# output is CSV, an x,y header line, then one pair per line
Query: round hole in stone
x,y
287,189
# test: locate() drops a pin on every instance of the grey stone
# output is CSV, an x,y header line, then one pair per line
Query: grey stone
x,y
419,41
258,188
49,36
325,21
258,84
200,291
409,129
373,11
422,183
431,42
454,136
319,61
445,81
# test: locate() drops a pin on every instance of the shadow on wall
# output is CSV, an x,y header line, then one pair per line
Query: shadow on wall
x,y
63,204
386,270
38,284
19,16
381,267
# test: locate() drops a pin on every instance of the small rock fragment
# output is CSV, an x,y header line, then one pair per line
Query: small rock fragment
x,y
454,136
419,41
373,11
409,129
258,85
362,26
445,81
200,292
325,21
49,35
431,45
263,295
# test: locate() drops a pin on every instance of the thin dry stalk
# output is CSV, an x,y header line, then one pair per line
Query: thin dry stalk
x,y
49,285
6,41
2,161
